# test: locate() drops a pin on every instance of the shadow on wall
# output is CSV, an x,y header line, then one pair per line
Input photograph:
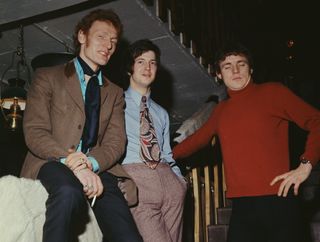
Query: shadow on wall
x,y
162,89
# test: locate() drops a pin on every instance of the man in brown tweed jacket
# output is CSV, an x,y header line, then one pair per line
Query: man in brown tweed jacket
x,y
54,125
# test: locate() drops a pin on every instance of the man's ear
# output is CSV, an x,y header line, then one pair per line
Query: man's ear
x,y
251,71
81,37
219,75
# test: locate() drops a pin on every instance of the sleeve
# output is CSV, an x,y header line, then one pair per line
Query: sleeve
x,y
37,125
95,164
166,153
199,139
114,138
306,117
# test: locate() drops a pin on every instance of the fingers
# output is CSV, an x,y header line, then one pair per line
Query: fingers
x,y
274,181
80,167
91,190
284,188
88,164
92,185
81,162
100,187
286,185
278,178
289,179
96,188
77,160
296,188
72,158
89,187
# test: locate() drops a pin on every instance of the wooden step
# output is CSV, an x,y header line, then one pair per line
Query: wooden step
x,y
217,233
223,215
315,231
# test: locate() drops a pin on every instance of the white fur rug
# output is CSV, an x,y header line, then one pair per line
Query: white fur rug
x,y
22,212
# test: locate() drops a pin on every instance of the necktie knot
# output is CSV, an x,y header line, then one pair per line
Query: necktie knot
x,y
143,104
93,81
87,70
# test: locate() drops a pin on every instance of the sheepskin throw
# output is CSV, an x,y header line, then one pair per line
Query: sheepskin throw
x,y
22,212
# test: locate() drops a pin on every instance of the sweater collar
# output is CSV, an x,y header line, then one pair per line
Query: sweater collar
x,y
246,89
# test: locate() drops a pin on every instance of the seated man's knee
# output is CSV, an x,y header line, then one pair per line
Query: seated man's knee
x,y
70,194
64,189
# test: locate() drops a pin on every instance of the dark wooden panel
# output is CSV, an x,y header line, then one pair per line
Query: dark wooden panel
x,y
12,150
202,23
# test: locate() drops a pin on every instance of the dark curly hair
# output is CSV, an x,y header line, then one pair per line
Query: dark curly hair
x,y
232,48
137,48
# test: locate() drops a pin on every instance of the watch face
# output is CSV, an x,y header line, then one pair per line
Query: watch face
x,y
304,161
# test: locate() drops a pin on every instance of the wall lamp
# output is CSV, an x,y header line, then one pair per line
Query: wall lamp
x,y
13,96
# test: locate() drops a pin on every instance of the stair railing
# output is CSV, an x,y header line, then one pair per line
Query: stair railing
x,y
208,190
201,26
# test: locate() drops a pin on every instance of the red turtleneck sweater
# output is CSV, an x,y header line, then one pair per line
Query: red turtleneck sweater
x,y
252,126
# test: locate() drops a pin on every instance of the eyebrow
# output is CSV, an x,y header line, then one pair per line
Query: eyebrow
x,y
239,61
109,34
243,61
141,58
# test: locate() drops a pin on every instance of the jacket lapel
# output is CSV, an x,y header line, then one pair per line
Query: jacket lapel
x,y
104,90
73,87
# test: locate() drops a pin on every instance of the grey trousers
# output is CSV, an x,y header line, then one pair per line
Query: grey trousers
x,y
161,194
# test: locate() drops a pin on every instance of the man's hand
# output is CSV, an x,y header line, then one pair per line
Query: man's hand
x,y
77,161
92,185
294,177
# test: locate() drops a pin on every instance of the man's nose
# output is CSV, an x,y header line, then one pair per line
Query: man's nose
x,y
148,66
235,69
108,44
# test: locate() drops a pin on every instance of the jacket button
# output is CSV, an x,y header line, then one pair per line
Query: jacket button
x,y
79,126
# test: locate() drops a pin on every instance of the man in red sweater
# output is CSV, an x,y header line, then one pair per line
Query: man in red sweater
x,y
252,125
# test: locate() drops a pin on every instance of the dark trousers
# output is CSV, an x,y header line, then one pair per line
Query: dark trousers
x,y
67,207
265,219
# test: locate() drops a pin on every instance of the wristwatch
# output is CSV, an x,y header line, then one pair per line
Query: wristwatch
x,y
305,161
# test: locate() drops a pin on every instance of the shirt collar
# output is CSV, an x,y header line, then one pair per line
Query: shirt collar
x,y
81,73
136,96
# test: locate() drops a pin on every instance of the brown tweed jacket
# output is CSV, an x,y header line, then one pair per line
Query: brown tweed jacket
x,y
54,119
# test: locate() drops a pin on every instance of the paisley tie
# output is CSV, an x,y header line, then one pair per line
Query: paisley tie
x,y
149,147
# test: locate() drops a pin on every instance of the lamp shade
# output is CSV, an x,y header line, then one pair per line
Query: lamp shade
x,y
51,59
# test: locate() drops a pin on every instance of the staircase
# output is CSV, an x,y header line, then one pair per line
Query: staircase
x,y
211,209
218,232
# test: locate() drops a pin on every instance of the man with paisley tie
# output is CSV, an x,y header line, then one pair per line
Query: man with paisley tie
x,y
148,159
